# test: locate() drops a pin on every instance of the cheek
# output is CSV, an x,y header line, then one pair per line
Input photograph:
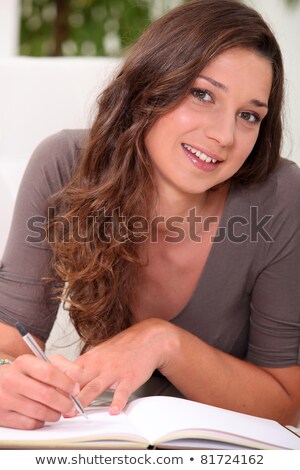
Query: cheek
x,y
184,119
168,131
162,133
152,140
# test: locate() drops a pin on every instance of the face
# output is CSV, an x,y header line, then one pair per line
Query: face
x,y
208,136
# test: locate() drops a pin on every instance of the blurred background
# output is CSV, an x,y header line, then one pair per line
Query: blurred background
x,y
95,28
89,27
106,28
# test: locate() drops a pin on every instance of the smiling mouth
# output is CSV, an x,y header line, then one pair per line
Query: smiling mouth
x,y
200,155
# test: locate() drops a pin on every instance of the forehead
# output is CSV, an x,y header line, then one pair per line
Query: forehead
x,y
241,68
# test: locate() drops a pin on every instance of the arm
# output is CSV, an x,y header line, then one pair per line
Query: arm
x,y
24,295
199,371
32,391
11,343
203,373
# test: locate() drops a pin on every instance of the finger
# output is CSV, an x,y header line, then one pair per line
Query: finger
x,y
91,390
120,398
35,392
70,368
88,371
11,419
45,372
31,409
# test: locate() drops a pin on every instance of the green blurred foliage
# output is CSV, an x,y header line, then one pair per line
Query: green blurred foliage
x,y
87,27
90,27
292,2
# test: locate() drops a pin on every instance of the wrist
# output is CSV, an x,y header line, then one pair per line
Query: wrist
x,y
166,341
5,362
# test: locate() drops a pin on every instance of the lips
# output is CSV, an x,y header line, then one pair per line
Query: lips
x,y
207,158
201,160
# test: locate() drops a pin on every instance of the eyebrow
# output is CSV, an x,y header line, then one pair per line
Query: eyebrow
x,y
255,102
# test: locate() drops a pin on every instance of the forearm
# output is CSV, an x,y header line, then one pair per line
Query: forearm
x,y
203,373
12,344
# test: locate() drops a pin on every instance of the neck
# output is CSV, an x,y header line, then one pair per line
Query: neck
x,y
172,206
175,208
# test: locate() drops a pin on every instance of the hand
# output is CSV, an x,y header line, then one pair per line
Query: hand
x,y
33,391
124,362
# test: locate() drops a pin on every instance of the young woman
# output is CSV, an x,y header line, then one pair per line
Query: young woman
x,y
174,233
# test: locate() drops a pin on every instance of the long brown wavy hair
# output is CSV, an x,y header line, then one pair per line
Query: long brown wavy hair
x,y
114,174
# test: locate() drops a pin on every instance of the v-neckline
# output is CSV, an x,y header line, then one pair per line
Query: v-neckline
x,y
211,254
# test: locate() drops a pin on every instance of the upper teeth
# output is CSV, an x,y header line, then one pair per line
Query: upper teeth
x,y
199,154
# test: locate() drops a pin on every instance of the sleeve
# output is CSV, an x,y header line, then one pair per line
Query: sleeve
x,y
24,294
274,339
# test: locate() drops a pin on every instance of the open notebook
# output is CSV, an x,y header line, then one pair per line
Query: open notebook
x,y
159,422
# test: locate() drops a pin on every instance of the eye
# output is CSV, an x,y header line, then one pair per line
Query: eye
x,y
201,95
252,118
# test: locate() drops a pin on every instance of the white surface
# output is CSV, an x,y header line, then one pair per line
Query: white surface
x,y
9,27
39,97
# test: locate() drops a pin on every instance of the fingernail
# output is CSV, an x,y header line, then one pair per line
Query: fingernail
x,y
114,410
71,413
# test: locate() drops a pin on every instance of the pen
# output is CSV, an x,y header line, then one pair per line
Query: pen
x,y
38,352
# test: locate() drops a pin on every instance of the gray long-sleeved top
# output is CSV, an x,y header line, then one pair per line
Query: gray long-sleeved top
x,y
247,300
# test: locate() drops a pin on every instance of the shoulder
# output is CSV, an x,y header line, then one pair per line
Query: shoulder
x,y
64,147
278,202
272,212
66,139
54,160
287,180
280,193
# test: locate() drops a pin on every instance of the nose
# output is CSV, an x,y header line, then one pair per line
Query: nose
x,y
221,128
